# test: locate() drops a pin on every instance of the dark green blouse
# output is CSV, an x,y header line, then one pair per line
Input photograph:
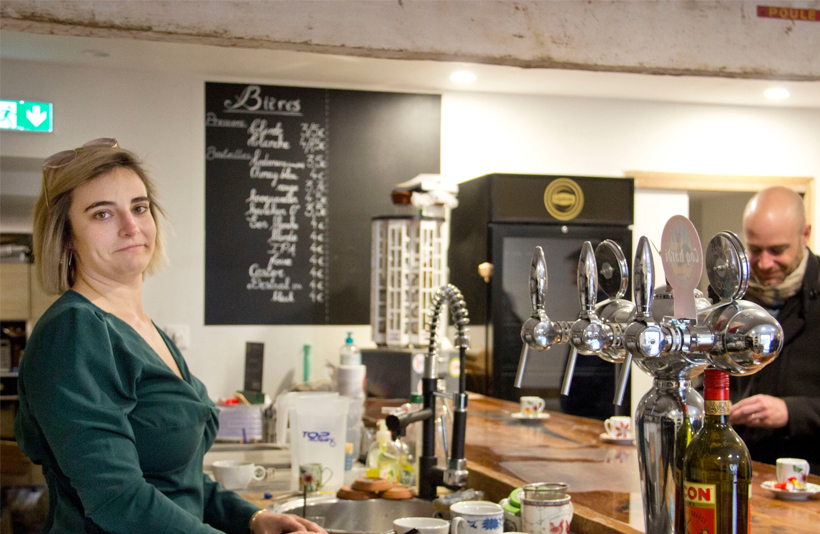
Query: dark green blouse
x,y
120,437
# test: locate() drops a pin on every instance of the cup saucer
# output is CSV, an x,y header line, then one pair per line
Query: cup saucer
x,y
617,441
791,495
530,417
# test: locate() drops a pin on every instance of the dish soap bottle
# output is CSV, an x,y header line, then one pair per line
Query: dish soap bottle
x,y
407,460
349,354
383,456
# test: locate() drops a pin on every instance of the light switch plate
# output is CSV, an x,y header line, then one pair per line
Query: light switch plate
x,y
180,334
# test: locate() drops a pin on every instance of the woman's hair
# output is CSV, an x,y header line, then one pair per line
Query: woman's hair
x,y
53,235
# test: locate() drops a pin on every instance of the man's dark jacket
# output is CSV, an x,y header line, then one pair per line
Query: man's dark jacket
x,y
794,376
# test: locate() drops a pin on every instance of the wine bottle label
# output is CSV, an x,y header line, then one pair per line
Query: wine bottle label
x,y
717,407
699,507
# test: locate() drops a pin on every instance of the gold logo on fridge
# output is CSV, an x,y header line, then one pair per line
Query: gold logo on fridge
x,y
564,199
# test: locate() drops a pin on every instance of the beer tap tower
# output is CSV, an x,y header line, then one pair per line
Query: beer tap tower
x,y
670,332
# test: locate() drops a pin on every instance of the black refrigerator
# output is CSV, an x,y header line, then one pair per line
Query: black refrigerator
x,y
500,220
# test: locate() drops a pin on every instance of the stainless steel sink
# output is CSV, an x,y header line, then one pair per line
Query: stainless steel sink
x,y
364,517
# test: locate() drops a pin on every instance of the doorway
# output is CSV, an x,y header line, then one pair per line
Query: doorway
x,y
715,211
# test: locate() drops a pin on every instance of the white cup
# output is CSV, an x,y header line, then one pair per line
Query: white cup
x,y
235,474
546,517
788,468
477,517
425,525
619,427
532,406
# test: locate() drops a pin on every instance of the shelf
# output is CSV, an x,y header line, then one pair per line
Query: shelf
x,y
8,397
6,374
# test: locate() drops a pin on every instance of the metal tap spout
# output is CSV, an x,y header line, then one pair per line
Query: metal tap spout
x,y
430,475
538,332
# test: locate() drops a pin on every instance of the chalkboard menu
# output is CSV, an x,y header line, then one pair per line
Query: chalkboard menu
x,y
293,176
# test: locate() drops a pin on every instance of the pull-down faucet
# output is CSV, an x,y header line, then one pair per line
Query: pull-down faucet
x,y
431,476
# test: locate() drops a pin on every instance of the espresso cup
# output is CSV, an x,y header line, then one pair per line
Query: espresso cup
x,y
619,427
532,406
236,474
788,468
425,525
312,477
477,517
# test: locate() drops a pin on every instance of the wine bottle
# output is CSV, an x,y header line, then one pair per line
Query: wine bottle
x,y
717,468
685,433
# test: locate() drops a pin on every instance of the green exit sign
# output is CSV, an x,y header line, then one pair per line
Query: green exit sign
x,y
25,116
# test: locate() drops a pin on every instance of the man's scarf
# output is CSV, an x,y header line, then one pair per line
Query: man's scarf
x,y
778,293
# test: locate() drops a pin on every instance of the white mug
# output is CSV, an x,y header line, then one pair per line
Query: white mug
x,y
788,468
425,525
546,517
235,474
312,477
477,517
619,426
532,406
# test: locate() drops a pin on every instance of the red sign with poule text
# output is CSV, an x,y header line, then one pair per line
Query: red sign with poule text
x,y
788,13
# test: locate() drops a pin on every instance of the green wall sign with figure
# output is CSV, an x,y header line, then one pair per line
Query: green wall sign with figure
x,y
26,116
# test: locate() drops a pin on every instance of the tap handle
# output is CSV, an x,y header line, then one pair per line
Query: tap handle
x,y
643,279
623,378
587,280
613,270
573,355
538,283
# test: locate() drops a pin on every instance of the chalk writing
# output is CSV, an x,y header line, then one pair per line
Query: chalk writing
x,y
279,165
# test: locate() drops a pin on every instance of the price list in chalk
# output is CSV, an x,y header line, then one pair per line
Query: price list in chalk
x,y
312,141
266,204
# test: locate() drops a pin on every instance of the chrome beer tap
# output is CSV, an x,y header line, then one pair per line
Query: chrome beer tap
x,y
597,330
672,333
747,337
651,337
539,332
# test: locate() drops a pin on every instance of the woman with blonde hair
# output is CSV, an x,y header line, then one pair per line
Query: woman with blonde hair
x,y
107,403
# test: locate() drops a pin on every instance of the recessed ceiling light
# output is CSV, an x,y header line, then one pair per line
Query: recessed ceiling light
x,y
777,93
462,77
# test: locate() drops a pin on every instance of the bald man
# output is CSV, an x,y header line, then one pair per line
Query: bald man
x,y
777,410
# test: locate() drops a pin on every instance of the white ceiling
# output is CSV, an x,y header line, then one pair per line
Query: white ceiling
x,y
308,69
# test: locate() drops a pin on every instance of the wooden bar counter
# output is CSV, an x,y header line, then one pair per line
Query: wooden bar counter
x,y
504,453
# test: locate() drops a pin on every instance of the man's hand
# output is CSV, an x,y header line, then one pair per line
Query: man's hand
x,y
763,411
270,523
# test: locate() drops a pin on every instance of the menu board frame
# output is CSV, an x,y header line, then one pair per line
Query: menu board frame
x,y
293,176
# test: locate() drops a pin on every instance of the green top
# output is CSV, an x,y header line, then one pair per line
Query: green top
x,y
120,437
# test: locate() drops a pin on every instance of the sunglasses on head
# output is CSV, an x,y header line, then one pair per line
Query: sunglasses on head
x,y
64,157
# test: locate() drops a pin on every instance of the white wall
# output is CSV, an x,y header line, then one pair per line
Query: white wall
x,y
160,116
